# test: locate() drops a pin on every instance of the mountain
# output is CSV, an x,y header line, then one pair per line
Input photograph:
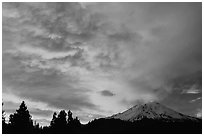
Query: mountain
x,y
149,118
151,110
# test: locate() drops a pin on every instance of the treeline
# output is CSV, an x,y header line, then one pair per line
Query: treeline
x,y
63,123
21,122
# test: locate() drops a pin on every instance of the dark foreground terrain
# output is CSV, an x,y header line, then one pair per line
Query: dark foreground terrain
x,y
116,126
144,126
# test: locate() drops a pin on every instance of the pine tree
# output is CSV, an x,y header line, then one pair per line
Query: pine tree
x,y
37,128
61,118
53,121
70,118
74,124
21,120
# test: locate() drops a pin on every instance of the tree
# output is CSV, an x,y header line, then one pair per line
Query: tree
x,y
3,116
53,121
21,121
4,125
59,122
70,118
74,124
37,128
76,120
61,118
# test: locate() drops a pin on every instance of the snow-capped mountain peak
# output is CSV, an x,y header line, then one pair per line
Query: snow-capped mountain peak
x,y
151,110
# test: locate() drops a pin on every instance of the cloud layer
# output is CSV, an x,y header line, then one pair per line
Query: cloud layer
x,y
63,54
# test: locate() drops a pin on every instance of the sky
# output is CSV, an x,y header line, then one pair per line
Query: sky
x,y
98,59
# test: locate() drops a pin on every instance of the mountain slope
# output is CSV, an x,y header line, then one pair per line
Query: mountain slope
x,y
149,118
151,110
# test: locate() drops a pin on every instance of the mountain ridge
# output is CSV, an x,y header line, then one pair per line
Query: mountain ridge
x,y
151,110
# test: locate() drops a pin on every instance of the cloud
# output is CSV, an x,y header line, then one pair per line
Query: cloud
x,y
183,102
107,93
45,54
46,85
61,53
72,102
199,114
193,91
195,99
33,111
124,35
41,113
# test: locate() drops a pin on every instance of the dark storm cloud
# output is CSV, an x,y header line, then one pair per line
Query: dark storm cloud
x,y
107,93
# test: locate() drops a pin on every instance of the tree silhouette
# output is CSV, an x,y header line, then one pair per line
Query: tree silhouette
x,y
3,115
77,121
70,118
58,122
74,125
20,121
53,121
61,120
37,128
4,125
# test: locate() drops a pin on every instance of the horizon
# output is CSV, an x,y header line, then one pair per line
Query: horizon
x,y
84,123
99,59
